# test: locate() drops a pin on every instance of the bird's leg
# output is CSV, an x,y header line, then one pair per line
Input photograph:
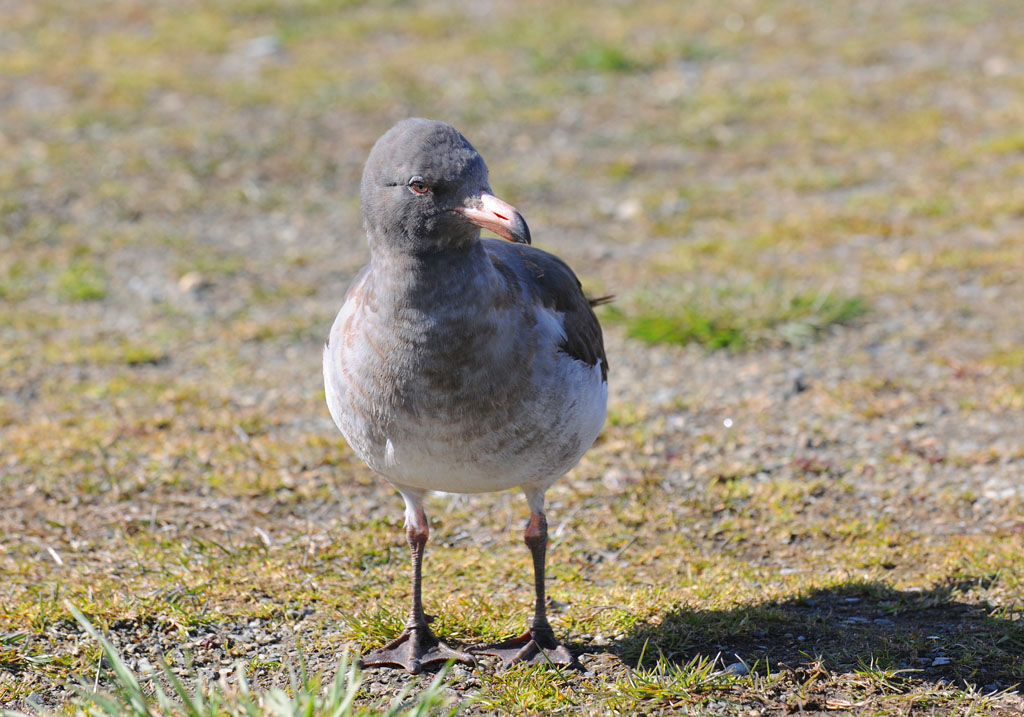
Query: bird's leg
x,y
417,534
417,647
538,645
536,539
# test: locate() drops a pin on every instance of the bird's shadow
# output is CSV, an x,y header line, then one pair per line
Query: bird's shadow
x,y
935,634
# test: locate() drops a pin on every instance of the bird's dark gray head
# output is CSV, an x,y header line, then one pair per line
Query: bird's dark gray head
x,y
425,189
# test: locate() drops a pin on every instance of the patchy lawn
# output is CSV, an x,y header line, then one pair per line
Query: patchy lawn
x,y
810,492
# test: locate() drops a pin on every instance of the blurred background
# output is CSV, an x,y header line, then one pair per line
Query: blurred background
x,y
811,214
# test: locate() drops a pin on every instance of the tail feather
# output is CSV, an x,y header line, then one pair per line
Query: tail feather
x,y
601,300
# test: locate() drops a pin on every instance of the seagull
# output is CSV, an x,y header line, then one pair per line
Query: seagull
x,y
461,364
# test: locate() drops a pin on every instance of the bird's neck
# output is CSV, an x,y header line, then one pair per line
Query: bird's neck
x,y
452,277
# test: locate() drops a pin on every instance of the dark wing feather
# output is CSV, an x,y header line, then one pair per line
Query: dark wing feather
x,y
555,286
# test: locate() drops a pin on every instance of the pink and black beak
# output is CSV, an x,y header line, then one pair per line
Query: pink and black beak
x,y
487,211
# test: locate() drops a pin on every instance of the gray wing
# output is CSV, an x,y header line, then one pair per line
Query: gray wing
x,y
355,281
555,286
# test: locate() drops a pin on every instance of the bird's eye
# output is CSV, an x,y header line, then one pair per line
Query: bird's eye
x,y
418,186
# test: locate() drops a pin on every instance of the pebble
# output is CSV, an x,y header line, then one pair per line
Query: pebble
x,y
376,688
737,668
190,281
628,209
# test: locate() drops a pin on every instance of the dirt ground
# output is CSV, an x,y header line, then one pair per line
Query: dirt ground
x,y
834,510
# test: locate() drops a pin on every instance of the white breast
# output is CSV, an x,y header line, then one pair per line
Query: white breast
x,y
474,444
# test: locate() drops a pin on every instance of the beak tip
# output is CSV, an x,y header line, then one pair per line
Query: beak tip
x,y
498,216
522,233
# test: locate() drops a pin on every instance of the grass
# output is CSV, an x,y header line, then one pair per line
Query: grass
x,y
82,281
737,318
675,685
603,58
131,694
531,691
830,194
13,657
